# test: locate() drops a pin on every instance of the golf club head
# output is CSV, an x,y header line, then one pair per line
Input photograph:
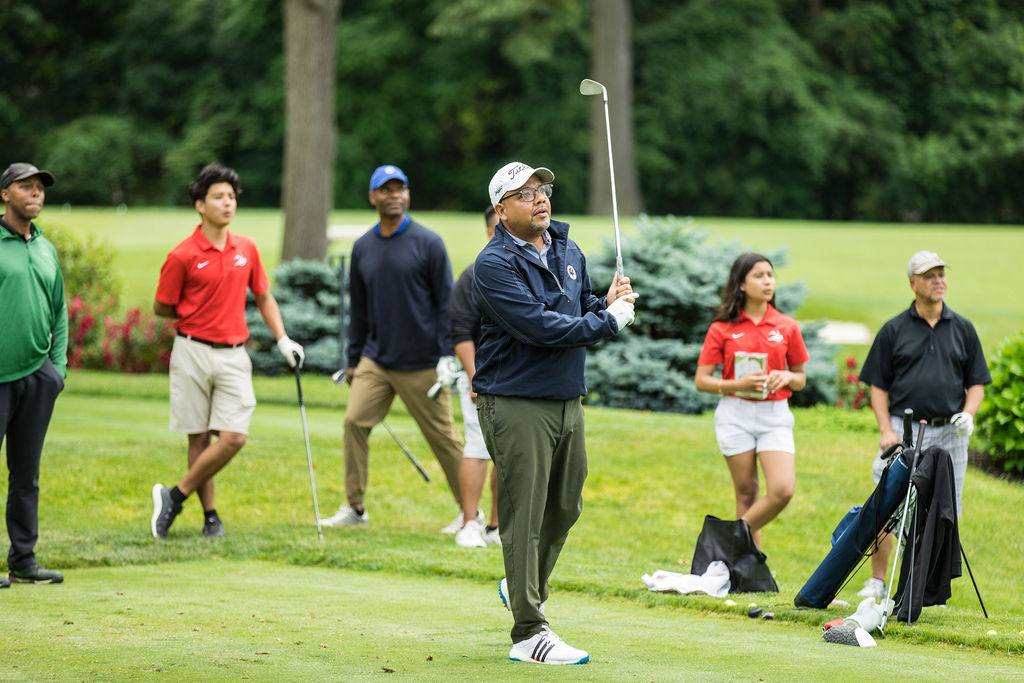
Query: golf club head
x,y
338,377
592,87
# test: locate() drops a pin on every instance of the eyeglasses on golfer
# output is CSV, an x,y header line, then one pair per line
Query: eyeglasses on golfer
x,y
529,194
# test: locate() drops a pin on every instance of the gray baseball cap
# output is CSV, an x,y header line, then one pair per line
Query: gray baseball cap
x,y
922,262
21,170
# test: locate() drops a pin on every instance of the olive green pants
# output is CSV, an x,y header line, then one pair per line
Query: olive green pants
x,y
539,452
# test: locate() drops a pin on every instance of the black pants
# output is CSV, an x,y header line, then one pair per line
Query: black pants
x,y
26,405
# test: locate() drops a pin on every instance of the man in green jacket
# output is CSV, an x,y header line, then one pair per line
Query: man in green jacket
x,y
34,359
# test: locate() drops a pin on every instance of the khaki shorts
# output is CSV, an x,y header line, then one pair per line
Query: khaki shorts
x,y
211,389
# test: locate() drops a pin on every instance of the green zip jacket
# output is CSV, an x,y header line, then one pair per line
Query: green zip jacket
x,y
33,313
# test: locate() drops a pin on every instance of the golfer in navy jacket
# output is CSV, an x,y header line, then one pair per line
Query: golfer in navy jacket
x,y
539,315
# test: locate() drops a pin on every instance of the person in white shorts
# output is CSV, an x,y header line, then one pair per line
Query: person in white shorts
x,y
762,355
473,469
944,385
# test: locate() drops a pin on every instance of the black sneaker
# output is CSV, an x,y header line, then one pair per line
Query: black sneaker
x,y
212,527
35,574
164,511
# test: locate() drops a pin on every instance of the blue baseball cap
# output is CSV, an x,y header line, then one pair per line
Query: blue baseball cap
x,y
385,173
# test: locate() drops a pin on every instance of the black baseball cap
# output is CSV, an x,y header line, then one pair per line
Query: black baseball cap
x,y
21,170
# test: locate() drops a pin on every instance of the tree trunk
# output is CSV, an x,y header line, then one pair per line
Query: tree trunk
x,y
611,62
310,139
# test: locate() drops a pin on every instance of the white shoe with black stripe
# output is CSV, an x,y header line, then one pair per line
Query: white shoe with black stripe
x,y
547,648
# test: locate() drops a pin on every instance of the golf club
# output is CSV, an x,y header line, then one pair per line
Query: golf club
x,y
339,378
309,455
591,87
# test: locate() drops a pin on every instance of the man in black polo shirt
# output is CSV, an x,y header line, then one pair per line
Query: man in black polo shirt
x,y
928,359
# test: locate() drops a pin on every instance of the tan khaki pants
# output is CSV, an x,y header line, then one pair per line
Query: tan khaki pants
x,y
373,390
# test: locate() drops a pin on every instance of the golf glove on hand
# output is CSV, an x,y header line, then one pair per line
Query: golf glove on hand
x,y
447,371
964,424
290,350
623,312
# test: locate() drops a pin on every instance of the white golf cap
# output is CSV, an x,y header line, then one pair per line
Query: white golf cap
x,y
922,262
513,176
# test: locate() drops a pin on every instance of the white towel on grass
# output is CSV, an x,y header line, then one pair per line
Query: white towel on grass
x,y
714,581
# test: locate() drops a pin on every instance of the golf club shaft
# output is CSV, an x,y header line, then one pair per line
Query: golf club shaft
x,y
405,449
309,454
615,202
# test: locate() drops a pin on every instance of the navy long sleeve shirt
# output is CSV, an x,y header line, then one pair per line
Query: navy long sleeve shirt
x,y
400,298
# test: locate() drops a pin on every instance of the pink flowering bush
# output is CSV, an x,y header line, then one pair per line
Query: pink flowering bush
x,y
852,394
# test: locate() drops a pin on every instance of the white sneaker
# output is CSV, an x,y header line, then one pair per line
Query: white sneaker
x,y
471,535
547,648
347,516
503,594
491,536
873,588
457,523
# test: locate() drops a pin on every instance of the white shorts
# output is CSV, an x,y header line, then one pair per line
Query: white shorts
x,y
475,447
759,426
944,437
211,389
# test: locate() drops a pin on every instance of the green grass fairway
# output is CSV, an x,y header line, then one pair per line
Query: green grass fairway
x,y
220,620
853,271
394,593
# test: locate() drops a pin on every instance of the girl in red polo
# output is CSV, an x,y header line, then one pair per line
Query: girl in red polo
x,y
753,421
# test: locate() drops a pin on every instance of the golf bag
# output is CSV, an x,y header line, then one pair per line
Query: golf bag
x,y
730,541
856,534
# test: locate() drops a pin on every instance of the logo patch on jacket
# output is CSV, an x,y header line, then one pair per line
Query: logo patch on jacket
x,y
571,271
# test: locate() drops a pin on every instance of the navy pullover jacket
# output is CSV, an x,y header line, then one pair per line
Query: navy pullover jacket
x,y
536,321
400,296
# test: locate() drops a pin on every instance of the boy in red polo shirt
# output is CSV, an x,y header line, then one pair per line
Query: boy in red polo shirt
x,y
762,355
203,285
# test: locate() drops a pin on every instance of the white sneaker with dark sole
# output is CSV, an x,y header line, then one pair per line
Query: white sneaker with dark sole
x,y
547,648
491,536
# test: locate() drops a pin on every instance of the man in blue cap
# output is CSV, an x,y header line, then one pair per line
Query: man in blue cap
x,y
34,362
400,290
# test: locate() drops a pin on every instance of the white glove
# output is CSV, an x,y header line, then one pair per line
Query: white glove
x,y
290,350
622,309
447,371
964,424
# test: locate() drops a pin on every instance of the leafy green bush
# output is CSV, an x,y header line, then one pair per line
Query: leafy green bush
x,y
1001,417
678,273
307,293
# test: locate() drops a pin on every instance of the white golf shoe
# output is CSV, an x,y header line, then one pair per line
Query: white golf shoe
x,y
347,516
547,648
491,536
873,588
457,523
471,535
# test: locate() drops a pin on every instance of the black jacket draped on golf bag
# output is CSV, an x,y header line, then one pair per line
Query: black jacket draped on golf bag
x,y
860,531
932,556
730,541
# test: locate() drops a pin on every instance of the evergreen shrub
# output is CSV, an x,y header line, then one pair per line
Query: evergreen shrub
x,y
1001,417
678,273
307,293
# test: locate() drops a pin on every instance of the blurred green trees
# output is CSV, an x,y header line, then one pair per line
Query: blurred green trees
x,y
855,109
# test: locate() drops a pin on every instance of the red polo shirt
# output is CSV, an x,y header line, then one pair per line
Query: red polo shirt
x,y
207,286
777,335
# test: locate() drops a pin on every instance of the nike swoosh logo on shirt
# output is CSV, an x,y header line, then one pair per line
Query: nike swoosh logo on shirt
x,y
737,335
202,265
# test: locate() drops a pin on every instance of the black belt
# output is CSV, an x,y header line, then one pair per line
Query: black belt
x,y
936,421
222,345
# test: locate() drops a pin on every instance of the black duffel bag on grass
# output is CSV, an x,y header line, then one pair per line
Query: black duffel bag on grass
x,y
730,541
